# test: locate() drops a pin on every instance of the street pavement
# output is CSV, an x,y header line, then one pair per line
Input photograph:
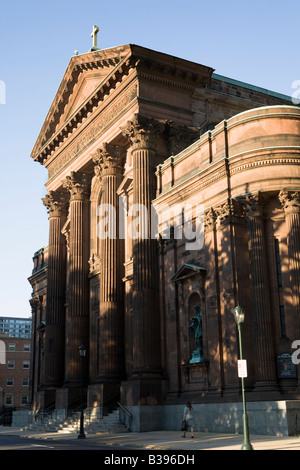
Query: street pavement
x,y
164,440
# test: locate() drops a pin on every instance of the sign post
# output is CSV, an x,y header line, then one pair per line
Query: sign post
x,y
239,316
242,368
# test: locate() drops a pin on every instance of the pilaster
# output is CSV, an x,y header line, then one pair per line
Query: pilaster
x,y
264,349
215,346
220,226
290,201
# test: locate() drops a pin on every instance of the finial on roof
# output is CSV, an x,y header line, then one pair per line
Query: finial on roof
x,y
94,36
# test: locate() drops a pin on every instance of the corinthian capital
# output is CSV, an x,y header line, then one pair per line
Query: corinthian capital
x,y
143,132
34,303
180,137
290,200
253,205
55,202
109,160
225,212
209,219
77,184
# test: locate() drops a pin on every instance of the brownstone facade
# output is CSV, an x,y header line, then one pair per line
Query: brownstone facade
x,y
131,129
245,175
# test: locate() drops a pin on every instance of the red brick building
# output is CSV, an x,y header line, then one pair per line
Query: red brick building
x,y
14,372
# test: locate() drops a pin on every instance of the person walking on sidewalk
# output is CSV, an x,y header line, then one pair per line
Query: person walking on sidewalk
x,y
188,417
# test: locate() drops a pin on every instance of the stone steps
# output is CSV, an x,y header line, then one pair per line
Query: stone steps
x,y
92,424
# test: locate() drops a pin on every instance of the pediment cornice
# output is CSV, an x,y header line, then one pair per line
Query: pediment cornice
x,y
113,60
113,64
187,271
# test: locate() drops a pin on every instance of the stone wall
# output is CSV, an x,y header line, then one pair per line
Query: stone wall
x,y
280,418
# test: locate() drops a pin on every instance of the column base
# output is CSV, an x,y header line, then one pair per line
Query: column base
x,y
143,399
267,390
103,394
69,397
45,398
143,391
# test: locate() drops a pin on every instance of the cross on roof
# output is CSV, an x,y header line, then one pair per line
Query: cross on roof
x,y
94,36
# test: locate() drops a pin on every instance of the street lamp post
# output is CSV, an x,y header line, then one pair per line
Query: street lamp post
x,y
82,353
239,316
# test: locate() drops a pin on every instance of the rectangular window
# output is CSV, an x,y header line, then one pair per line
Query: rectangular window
x,y
11,347
26,364
10,364
27,347
25,382
24,399
10,381
9,399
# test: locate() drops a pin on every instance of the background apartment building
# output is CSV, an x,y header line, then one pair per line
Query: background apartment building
x,y
15,348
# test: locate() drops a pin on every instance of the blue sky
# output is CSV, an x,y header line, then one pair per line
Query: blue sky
x,y
256,42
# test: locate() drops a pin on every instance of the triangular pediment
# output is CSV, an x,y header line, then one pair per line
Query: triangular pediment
x,y
84,76
187,271
82,90
91,77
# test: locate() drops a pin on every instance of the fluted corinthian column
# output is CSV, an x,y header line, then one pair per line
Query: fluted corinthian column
x,y
146,321
56,290
290,201
110,160
77,316
261,308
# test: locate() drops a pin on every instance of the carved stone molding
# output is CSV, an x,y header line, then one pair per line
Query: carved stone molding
x,y
290,201
92,131
35,303
253,205
50,138
264,159
109,160
180,137
78,185
227,211
143,132
55,202
209,219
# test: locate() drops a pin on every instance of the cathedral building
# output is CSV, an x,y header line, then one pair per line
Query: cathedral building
x,y
173,196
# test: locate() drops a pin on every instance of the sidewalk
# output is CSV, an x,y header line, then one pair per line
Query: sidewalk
x,y
167,440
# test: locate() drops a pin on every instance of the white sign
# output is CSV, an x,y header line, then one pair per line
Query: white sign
x,y
242,368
